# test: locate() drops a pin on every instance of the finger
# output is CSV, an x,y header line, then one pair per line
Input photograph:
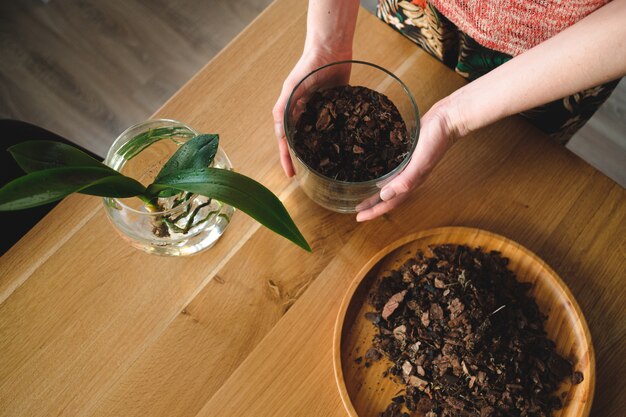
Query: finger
x,y
283,151
430,149
285,158
368,203
278,113
381,208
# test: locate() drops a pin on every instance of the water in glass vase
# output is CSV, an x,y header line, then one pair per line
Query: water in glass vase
x,y
183,224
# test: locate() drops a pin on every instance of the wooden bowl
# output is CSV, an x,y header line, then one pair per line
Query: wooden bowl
x,y
363,390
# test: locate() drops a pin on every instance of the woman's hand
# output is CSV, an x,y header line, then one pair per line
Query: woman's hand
x,y
589,53
329,33
440,127
310,60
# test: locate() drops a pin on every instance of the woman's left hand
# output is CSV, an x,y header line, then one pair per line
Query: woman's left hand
x,y
437,134
589,53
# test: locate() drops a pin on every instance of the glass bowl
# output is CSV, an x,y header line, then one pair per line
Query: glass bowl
x,y
187,223
344,196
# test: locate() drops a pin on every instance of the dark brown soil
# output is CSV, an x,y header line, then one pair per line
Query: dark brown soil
x,y
351,134
465,338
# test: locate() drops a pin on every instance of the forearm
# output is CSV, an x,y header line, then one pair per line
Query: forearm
x,y
331,24
589,53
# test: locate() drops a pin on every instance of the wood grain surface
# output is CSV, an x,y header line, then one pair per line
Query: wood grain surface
x,y
365,393
92,327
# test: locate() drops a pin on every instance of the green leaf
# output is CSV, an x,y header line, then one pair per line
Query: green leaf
x,y
115,186
35,155
46,186
239,191
195,153
140,142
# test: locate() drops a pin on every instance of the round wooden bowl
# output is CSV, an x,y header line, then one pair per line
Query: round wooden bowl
x,y
363,390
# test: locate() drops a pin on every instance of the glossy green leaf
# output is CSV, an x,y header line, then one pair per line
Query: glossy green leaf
x,y
239,191
140,142
115,186
195,153
45,186
198,152
35,155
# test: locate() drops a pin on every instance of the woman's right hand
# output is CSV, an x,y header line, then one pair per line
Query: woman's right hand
x,y
311,59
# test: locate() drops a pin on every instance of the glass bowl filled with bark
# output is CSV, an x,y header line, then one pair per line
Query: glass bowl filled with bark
x,y
465,323
351,127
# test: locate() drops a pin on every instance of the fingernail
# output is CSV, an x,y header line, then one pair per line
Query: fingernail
x,y
278,129
387,194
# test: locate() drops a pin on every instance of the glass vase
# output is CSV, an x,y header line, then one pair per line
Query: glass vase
x,y
344,196
180,225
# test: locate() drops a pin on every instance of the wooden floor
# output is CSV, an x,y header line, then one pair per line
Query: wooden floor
x,y
87,69
602,141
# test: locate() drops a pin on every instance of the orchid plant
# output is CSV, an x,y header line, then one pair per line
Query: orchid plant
x,y
55,170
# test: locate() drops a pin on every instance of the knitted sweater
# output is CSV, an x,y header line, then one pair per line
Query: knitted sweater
x,y
514,26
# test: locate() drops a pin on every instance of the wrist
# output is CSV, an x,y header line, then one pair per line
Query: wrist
x,y
325,54
339,47
331,25
449,111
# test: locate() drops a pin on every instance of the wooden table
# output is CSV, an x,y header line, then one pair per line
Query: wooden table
x,y
91,327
